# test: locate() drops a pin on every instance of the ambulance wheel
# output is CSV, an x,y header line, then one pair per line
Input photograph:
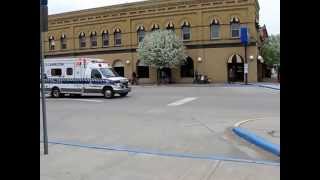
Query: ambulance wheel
x,y
108,93
123,94
55,93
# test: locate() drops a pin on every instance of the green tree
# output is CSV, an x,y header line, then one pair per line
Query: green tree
x,y
161,49
270,51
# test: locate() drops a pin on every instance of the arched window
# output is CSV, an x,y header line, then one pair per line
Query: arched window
x,y
93,39
117,37
105,38
63,41
215,29
142,70
51,43
82,40
187,69
170,26
186,31
140,33
235,68
235,27
155,27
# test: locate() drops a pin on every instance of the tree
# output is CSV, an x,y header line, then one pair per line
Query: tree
x,y
270,51
161,49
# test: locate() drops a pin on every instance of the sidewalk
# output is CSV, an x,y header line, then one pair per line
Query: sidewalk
x,y
268,129
65,163
268,85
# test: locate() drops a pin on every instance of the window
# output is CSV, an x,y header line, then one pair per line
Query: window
x,y
140,34
215,29
142,70
82,40
63,41
170,26
51,43
187,69
93,39
186,34
235,28
117,37
95,74
105,39
69,71
56,72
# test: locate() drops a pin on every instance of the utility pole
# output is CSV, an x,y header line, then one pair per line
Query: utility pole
x,y
43,28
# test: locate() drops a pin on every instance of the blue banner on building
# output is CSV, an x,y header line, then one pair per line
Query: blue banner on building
x,y
244,35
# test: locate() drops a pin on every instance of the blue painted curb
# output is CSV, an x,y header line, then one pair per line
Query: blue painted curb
x,y
268,87
258,141
158,153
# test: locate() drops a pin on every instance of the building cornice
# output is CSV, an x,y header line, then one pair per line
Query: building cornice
x,y
140,8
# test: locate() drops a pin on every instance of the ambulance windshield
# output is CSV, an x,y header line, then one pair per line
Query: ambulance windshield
x,y
108,72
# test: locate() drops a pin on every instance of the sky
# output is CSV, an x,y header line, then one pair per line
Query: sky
x,y
269,9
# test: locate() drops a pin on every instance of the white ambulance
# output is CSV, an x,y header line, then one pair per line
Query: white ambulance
x,y
82,76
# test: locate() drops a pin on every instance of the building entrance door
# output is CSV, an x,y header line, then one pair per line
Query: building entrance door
x,y
165,75
235,69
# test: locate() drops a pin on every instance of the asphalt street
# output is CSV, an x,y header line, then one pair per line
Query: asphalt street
x,y
194,120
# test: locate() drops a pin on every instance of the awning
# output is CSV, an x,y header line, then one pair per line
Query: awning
x,y
234,20
170,25
185,23
235,59
141,28
215,21
117,30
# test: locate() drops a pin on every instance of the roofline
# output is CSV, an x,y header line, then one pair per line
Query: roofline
x,y
111,7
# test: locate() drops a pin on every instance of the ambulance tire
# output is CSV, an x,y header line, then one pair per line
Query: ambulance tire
x,y
55,92
108,93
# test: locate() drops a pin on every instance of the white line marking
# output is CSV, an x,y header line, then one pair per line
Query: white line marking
x,y
182,101
245,121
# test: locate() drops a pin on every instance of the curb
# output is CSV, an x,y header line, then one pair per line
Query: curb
x,y
264,86
257,140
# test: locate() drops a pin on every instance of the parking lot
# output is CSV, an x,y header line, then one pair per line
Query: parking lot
x,y
178,120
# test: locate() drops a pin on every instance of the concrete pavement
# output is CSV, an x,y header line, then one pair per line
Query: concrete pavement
x,y
144,120
66,163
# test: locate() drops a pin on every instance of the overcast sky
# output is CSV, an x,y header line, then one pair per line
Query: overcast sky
x,y
269,9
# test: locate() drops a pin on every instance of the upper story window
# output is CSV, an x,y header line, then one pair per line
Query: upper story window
x,y
155,27
82,40
140,33
105,38
51,43
117,37
170,26
186,31
63,41
235,27
215,29
93,39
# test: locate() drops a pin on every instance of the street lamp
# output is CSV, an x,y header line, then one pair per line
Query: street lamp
x,y
260,58
251,58
199,59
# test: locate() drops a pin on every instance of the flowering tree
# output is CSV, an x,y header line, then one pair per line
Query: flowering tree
x,y
161,49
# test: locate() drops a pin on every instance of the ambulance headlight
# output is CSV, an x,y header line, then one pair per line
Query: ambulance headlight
x,y
118,85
